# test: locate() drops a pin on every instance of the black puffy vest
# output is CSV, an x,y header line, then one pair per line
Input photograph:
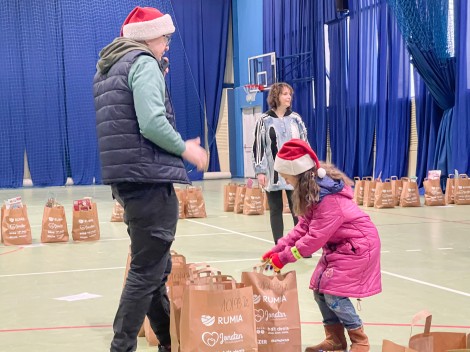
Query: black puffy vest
x,y
126,155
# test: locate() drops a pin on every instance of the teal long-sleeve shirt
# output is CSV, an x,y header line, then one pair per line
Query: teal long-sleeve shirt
x,y
148,88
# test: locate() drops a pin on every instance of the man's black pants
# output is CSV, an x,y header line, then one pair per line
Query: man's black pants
x,y
151,215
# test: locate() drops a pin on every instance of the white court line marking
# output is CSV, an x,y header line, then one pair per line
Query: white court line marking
x,y
235,232
63,271
412,250
233,260
203,234
236,260
445,249
426,283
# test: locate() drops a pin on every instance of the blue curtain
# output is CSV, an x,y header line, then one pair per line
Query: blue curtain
x,y
319,123
31,99
428,118
393,122
288,30
363,84
215,22
12,112
342,126
197,70
424,26
461,121
46,100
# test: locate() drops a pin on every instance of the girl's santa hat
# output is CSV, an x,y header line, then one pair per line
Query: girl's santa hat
x,y
145,23
296,157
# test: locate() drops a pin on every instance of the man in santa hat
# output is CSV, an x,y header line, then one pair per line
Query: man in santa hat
x,y
141,157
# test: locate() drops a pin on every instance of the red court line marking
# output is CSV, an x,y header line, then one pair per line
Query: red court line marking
x,y
58,328
13,251
397,325
304,322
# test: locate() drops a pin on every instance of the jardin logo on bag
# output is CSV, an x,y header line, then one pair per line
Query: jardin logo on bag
x,y
212,338
264,315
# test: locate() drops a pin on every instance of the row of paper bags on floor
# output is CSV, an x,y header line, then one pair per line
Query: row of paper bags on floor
x,y
191,204
16,228
248,199
404,192
213,312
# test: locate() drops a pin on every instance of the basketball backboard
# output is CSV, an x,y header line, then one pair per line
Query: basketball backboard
x,y
262,70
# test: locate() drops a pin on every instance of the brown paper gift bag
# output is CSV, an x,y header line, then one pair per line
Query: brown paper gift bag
x,y
85,224
230,191
239,199
181,194
433,193
117,214
253,201
410,193
450,185
435,341
195,204
218,317
16,230
462,190
397,188
265,201
358,191
389,346
285,203
54,225
175,292
369,191
277,312
384,195
149,334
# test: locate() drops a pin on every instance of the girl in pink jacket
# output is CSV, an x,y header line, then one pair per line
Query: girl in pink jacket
x,y
331,221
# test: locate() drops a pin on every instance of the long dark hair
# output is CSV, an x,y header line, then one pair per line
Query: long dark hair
x,y
307,191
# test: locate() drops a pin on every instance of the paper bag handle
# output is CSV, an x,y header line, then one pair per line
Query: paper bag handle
x,y
261,268
424,314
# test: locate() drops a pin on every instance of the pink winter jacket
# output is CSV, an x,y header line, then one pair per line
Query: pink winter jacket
x,y
350,262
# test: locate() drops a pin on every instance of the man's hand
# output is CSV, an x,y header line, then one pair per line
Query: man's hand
x,y
261,179
195,154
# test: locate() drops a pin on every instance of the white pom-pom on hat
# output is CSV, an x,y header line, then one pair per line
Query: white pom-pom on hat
x,y
321,172
296,157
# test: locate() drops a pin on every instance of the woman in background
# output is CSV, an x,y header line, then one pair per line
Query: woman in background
x,y
275,127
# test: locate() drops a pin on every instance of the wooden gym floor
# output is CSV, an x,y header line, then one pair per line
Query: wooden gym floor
x,y
425,265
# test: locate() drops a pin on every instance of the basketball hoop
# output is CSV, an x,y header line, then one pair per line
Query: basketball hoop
x,y
251,90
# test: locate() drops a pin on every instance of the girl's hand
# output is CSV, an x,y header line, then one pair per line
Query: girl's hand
x,y
266,256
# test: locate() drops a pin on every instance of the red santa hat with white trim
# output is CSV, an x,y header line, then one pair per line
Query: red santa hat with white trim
x,y
296,157
145,23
